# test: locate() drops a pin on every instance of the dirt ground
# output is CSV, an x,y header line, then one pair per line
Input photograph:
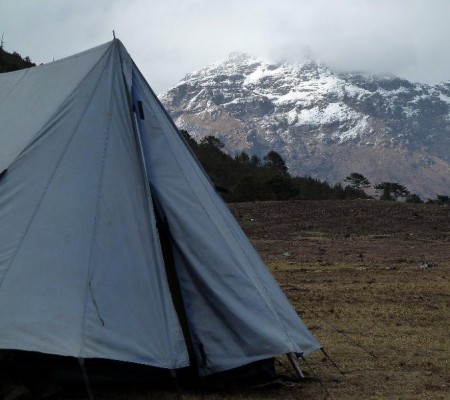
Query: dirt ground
x,y
371,280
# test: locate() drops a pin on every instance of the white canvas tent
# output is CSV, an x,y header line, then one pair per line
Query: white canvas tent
x,y
88,158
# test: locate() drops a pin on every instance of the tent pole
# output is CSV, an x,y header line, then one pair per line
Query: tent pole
x,y
85,377
293,361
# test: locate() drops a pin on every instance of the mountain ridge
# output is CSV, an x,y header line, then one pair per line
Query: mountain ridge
x,y
324,123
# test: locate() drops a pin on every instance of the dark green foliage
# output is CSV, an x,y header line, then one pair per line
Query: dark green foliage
x,y
282,187
247,178
12,62
212,142
443,199
357,181
254,160
188,138
391,191
413,198
242,158
249,188
440,199
274,161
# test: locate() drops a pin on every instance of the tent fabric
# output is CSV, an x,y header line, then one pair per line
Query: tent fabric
x,y
81,269
91,155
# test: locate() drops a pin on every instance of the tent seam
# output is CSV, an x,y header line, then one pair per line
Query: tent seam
x,y
15,85
78,55
94,229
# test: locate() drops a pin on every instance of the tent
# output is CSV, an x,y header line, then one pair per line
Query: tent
x,y
93,176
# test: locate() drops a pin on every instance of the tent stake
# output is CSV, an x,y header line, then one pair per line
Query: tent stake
x,y
292,359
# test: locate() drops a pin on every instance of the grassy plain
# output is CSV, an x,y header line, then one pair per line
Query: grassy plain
x,y
353,272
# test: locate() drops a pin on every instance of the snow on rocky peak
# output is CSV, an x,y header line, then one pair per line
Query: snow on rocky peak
x,y
317,118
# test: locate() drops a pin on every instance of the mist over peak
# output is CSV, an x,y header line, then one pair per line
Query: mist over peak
x,y
325,123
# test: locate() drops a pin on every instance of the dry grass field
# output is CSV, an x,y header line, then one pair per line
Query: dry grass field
x,y
352,271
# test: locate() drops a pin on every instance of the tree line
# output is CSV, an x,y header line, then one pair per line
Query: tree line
x,y
391,191
245,177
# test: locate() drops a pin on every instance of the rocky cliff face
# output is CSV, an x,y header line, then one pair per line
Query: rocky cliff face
x,y
325,124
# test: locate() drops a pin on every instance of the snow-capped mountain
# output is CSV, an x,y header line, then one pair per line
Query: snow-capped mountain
x,y
325,124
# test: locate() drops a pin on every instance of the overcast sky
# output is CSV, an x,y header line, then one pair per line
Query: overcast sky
x,y
168,38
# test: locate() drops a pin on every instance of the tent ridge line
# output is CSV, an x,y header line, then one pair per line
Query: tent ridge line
x,y
78,55
88,287
19,245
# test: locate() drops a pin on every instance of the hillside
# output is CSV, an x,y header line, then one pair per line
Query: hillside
x,y
13,61
325,124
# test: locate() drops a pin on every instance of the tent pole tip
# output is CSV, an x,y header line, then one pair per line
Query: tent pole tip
x,y
293,361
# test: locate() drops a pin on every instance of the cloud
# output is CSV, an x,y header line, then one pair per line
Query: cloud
x,y
170,38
